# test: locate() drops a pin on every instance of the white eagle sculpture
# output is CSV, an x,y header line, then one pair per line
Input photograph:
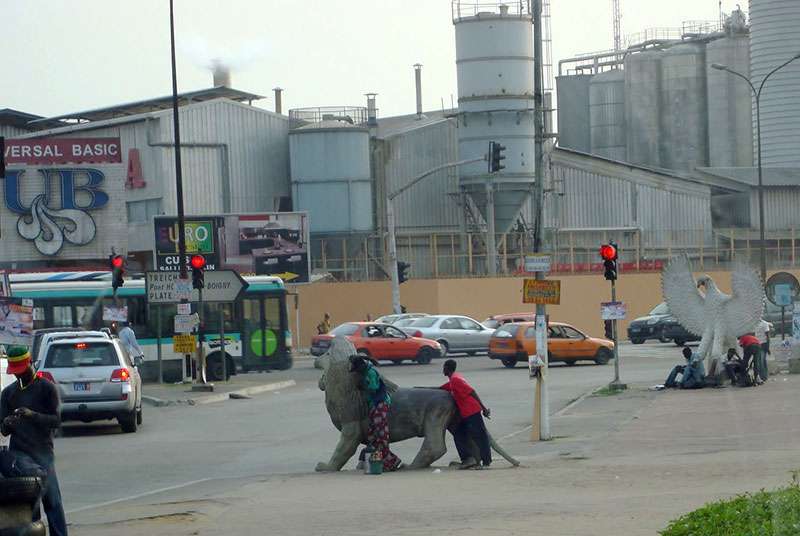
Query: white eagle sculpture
x,y
719,318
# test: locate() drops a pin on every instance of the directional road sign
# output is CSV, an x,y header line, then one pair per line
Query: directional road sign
x,y
220,286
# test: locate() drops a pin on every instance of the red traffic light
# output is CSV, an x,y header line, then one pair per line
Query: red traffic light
x,y
117,261
608,252
198,262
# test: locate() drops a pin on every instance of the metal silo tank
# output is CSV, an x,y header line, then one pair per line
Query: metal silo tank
x,y
494,62
730,116
775,39
607,113
573,112
330,171
642,96
684,107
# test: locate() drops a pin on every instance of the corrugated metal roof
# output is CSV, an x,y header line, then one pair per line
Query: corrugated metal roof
x,y
391,126
749,176
20,120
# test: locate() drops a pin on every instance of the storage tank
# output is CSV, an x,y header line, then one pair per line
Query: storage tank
x,y
330,169
730,115
494,62
573,112
607,113
642,105
684,108
775,39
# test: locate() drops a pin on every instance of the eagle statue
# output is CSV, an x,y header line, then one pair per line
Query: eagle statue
x,y
718,318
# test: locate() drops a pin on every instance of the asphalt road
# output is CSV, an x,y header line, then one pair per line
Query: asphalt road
x,y
289,431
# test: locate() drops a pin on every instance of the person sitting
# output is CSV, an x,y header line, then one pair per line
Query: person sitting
x,y
736,369
692,373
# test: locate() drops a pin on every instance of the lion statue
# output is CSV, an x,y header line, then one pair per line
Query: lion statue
x,y
425,413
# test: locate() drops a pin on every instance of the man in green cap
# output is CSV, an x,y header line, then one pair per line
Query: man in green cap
x,y
30,413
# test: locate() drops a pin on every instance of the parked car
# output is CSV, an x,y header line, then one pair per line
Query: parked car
x,y
514,342
391,319
649,327
95,377
454,333
674,331
495,321
380,342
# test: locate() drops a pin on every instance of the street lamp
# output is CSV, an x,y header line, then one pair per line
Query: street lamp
x,y
757,94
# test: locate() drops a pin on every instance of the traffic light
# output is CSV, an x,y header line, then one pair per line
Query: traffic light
x,y
495,157
610,253
198,263
116,264
402,268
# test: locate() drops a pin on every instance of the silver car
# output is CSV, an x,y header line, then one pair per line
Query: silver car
x,y
456,334
95,377
391,319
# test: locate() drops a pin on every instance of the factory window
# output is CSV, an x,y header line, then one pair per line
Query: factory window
x,y
143,211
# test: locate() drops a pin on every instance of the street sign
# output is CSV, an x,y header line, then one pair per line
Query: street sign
x,y
613,310
782,289
184,308
183,344
185,323
545,291
115,314
183,289
221,286
537,263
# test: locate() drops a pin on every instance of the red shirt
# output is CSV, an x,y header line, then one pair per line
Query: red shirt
x,y
462,391
747,340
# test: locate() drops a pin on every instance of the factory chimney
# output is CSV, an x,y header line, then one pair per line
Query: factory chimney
x,y
372,111
278,102
418,79
221,73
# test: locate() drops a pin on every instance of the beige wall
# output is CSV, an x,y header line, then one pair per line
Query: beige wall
x,y
479,297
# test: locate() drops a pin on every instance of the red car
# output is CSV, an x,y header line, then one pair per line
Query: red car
x,y
380,342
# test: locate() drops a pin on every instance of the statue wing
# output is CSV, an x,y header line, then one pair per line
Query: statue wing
x,y
685,302
746,307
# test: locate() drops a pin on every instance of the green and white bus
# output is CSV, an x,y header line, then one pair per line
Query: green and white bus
x,y
257,335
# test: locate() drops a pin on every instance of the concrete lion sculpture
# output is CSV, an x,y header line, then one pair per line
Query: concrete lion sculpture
x,y
425,413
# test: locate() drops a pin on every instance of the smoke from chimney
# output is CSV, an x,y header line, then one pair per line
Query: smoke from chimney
x,y
221,73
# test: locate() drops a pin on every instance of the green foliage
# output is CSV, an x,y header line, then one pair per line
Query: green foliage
x,y
766,513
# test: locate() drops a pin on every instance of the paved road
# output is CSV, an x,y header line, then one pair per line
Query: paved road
x,y
289,431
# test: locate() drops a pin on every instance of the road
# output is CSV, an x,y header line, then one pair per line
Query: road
x,y
289,431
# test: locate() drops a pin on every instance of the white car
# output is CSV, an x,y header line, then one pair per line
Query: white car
x,y
456,334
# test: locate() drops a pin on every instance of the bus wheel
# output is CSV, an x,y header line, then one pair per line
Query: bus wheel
x,y
214,368
284,363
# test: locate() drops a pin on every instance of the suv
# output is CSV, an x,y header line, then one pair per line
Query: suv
x,y
650,326
95,377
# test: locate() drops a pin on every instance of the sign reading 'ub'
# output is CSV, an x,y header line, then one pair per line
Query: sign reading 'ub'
x,y
61,212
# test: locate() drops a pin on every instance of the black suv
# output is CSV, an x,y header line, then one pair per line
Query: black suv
x,y
673,330
650,327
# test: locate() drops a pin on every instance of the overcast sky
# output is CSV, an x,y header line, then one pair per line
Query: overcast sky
x,y
64,56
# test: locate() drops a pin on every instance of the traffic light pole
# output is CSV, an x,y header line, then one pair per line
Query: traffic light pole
x,y
616,384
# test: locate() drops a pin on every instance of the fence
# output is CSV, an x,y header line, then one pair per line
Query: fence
x,y
447,255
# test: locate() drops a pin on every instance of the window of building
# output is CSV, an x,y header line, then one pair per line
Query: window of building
x,y
143,211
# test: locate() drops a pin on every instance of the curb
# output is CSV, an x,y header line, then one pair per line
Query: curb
x,y
239,394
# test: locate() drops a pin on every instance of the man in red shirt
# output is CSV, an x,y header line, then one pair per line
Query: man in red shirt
x,y
751,347
471,426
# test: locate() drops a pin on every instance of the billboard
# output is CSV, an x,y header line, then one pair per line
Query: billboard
x,y
272,243
16,323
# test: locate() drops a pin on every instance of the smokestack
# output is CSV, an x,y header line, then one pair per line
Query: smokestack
x,y
278,103
418,78
221,73
372,111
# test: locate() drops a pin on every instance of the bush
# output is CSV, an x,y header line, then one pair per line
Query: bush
x,y
766,513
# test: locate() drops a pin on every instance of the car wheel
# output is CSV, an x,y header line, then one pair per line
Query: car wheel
x,y
128,422
571,362
139,417
637,341
425,355
679,342
445,347
662,338
509,362
603,356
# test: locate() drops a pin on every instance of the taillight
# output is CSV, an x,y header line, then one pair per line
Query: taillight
x,y
120,375
418,334
44,375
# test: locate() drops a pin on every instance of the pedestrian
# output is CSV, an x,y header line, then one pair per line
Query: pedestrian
x,y
751,348
472,410
379,403
735,369
30,414
324,326
763,332
128,338
692,373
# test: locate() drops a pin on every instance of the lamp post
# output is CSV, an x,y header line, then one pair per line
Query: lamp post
x,y
757,95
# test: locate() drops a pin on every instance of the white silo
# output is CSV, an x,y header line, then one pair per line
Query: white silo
x,y
775,39
494,61
642,107
607,113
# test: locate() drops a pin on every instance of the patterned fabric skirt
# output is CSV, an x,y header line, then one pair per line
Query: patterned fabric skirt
x,y
378,435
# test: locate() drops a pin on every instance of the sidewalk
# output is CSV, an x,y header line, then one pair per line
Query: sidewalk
x,y
239,386
619,464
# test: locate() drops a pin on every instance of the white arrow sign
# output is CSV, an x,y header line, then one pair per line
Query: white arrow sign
x,y
220,286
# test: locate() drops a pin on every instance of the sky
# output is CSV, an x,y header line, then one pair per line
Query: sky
x,y
64,56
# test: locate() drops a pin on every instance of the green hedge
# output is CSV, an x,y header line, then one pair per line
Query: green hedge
x,y
766,513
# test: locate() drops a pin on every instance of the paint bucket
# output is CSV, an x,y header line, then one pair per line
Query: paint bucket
x,y
374,464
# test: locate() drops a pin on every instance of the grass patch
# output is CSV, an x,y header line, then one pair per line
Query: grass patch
x,y
606,391
766,513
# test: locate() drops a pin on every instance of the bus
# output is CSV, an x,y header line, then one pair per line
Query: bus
x,y
257,335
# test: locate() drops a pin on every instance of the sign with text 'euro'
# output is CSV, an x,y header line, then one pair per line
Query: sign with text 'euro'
x,y
541,291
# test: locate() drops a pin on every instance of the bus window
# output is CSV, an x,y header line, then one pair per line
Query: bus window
x,y
272,312
84,314
62,316
211,317
39,321
168,311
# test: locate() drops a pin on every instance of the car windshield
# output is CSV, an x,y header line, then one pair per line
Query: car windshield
x,y
491,323
344,330
660,309
404,322
424,322
506,331
81,354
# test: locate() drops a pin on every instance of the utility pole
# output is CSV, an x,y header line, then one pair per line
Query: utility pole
x,y
538,125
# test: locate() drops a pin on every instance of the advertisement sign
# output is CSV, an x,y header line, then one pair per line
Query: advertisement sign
x,y
613,310
186,323
539,262
546,292
49,151
782,289
16,323
112,313
274,243
183,344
